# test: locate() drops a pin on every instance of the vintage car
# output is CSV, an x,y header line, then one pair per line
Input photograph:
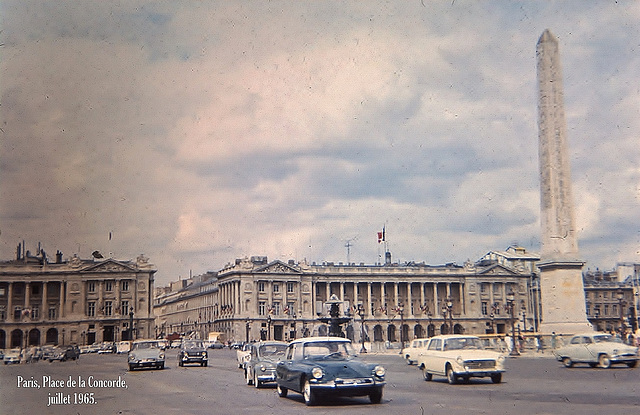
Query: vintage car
x,y
145,353
412,352
597,349
242,354
460,357
327,366
64,353
260,365
192,351
12,356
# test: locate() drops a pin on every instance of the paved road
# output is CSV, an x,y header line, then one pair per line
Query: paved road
x,y
532,385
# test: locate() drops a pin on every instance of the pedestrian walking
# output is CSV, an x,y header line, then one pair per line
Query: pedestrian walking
x,y
539,345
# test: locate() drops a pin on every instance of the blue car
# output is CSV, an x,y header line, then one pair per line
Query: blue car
x,y
324,367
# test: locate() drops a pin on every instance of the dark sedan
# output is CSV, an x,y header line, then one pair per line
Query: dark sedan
x,y
192,351
322,367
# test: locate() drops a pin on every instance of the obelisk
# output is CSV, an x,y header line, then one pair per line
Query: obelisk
x,y
561,286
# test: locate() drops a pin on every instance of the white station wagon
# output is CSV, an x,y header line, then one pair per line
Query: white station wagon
x,y
597,349
460,357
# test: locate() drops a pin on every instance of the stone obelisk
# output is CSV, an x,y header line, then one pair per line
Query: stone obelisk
x,y
561,286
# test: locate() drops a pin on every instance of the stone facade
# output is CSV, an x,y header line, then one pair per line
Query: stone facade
x,y
254,298
74,302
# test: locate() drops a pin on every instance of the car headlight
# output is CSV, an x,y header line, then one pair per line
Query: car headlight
x,y
379,371
460,360
317,372
262,368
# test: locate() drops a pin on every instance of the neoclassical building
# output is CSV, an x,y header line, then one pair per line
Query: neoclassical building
x,y
254,298
74,302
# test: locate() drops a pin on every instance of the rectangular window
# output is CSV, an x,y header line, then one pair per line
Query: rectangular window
x,y
496,308
276,308
261,286
91,286
262,308
3,313
35,313
17,313
108,308
276,288
125,285
484,308
483,287
290,287
606,309
108,285
124,309
91,308
52,313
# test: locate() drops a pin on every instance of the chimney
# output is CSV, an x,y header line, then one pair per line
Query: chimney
x,y
58,257
387,258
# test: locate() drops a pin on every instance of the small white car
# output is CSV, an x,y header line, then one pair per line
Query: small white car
x,y
12,356
597,349
145,353
412,352
460,357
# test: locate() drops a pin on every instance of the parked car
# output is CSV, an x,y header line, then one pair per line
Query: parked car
x,y
65,353
125,345
260,365
107,348
215,345
94,348
327,366
1,354
597,349
47,352
412,352
192,351
242,354
12,356
460,357
145,353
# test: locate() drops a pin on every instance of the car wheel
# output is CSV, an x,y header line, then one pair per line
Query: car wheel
x,y
205,364
376,397
408,359
282,391
180,363
256,382
604,361
451,376
567,362
632,364
426,375
161,366
496,378
131,368
308,394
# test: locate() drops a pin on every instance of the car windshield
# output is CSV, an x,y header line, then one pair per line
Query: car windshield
x,y
604,338
270,350
328,350
463,343
144,345
193,345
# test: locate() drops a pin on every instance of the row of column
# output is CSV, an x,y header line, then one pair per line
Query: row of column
x,y
431,299
27,299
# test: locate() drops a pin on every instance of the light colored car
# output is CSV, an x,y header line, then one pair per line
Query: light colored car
x,y
460,357
243,354
260,367
12,356
125,346
597,349
412,352
145,353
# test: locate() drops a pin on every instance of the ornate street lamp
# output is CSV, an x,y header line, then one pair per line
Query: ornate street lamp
x,y
269,327
444,318
131,324
510,306
491,316
247,327
400,310
450,311
621,305
362,333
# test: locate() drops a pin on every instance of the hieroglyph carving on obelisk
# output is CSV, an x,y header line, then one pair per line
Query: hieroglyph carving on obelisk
x,y
561,286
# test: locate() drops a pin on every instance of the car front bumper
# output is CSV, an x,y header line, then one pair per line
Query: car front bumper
x,y
147,363
347,387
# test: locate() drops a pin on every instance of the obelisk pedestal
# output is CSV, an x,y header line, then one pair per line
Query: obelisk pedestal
x,y
561,285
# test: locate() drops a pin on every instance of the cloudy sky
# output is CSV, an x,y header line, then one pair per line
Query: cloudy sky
x,y
201,132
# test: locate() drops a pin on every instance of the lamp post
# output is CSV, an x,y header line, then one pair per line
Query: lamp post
x,y
362,334
269,327
247,327
444,318
621,305
510,306
596,311
130,323
491,316
401,311
450,311
524,319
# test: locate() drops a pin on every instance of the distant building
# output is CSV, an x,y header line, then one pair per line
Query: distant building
x,y
74,302
257,299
